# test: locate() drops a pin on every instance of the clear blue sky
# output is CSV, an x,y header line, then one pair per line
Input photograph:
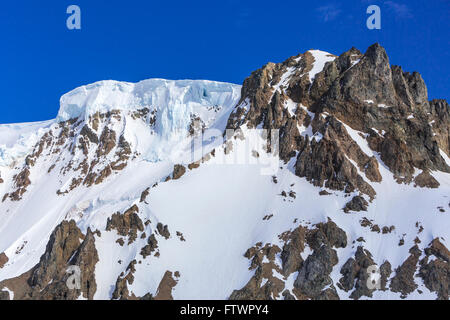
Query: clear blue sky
x,y
40,59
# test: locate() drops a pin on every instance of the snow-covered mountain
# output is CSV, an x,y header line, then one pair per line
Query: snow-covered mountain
x,y
297,185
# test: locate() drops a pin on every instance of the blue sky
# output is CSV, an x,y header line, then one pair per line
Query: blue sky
x,y
40,59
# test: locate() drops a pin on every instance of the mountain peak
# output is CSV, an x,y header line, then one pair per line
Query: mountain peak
x,y
361,180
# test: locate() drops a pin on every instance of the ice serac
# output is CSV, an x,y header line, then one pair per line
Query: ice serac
x,y
176,97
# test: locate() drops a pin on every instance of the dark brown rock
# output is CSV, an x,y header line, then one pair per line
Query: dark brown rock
x,y
290,256
126,224
144,195
178,171
152,245
355,275
357,203
426,180
3,259
165,287
314,275
163,230
255,289
436,272
47,280
403,281
327,234
121,289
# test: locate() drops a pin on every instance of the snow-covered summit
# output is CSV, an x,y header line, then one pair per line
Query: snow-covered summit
x,y
109,95
174,103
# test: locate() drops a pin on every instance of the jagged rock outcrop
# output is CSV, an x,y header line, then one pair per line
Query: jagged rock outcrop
x,y
439,114
3,259
121,289
48,279
152,245
393,96
357,203
127,224
178,171
313,280
263,285
163,230
291,254
403,281
165,287
435,269
355,274
388,106
313,274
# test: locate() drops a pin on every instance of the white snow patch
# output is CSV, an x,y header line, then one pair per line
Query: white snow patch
x,y
320,59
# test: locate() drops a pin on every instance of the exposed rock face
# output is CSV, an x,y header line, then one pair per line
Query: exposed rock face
x,y
436,272
21,182
121,290
165,287
4,295
403,281
96,153
150,247
313,279
355,274
178,171
164,291
3,259
313,273
290,256
389,107
408,142
163,230
314,276
426,180
255,289
144,195
329,162
47,280
440,114
126,224
357,203
327,234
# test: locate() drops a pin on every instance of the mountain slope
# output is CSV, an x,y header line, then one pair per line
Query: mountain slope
x,y
141,186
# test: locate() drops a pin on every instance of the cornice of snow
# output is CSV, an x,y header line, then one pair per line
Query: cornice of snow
x,y
104,96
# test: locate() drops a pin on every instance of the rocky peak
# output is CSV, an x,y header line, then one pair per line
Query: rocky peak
x,y
384,105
